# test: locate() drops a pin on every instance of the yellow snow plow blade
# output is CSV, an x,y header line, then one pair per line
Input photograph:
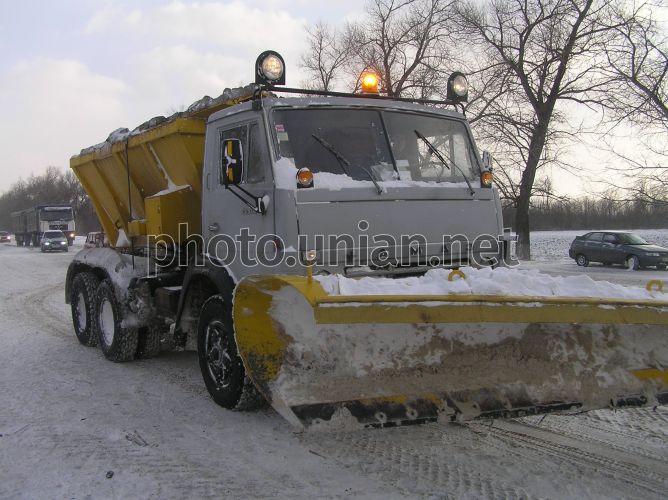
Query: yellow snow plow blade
x,y
367,360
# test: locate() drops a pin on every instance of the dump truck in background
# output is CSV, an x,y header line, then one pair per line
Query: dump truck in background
x,y
29,224
226,221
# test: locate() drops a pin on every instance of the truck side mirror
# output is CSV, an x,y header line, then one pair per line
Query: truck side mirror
x,y
232,165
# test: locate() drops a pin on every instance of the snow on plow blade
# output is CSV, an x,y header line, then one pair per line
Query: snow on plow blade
x,y
346,361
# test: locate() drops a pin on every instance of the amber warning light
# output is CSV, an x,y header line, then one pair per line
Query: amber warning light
x,y
369,83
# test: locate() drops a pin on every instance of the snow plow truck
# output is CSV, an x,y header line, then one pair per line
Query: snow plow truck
x,y
227,221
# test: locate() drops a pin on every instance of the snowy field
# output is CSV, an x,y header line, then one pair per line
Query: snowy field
x,y
550,246
549,253
73,425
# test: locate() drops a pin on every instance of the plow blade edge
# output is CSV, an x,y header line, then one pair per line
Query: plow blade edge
x,y
350,361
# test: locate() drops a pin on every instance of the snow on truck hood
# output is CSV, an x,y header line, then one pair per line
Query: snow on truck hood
x,y
487,281
286,172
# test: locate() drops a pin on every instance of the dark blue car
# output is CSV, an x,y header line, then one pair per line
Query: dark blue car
x,y
617,247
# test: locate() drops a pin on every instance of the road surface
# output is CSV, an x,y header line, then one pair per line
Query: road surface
x,y
73,425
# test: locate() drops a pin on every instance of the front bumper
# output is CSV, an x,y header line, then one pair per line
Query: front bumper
x,y
54,248
646,260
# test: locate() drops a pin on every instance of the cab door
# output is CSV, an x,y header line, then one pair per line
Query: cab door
x,y
233,229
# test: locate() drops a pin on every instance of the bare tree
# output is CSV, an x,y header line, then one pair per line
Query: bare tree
x,y
543,53
401,40
637,58
637,61
328,52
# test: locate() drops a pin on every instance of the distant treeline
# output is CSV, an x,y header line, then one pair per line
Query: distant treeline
x,y
54,186
594,213
608,212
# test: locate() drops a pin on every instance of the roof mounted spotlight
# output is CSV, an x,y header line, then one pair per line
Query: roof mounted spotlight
x,y
270,68
458,87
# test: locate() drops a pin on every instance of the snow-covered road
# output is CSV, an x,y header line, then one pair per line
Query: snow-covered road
x,y
73,425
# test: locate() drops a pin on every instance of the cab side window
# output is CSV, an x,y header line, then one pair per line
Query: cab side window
x,y
252,146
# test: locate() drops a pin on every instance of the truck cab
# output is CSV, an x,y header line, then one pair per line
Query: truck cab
x,y
353,182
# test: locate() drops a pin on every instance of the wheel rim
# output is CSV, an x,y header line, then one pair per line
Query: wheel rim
x,y
581,260
82,318
631,263
218,358
107,322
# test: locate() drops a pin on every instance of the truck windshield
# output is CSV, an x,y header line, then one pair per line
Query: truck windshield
x,y
55,213
307,136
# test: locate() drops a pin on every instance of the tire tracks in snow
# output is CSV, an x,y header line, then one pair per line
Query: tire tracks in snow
x,y
476,460
418,460
648,475
644,430
33,309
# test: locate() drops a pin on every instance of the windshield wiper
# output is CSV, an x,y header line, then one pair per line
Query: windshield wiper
x,y
373,179
438,154
344,163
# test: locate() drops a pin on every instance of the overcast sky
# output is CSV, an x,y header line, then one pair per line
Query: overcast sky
x,y
71,71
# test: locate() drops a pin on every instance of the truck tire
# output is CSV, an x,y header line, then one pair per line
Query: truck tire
x,y
82,300
222,369
118,343
149,342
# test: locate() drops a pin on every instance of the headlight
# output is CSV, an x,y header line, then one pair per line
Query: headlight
x,y
63,242
458,87
270,68
46,243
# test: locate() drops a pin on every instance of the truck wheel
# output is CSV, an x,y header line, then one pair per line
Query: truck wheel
x,y
148,344
581,260
82,300
118,343
222,368
632,263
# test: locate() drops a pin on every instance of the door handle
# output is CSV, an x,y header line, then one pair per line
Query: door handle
x,y
214,227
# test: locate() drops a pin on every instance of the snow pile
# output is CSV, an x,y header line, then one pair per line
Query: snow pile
x,y
121,134
120,268
487,281
286,173
336,182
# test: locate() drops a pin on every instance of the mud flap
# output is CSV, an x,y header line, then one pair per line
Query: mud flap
x,y
358,361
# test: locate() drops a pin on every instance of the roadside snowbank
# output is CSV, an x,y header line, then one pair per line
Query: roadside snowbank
x,y
487,281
